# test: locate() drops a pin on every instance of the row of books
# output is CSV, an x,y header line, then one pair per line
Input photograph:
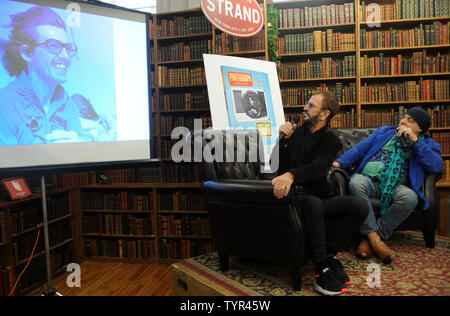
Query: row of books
x,y
124,200
35,272
417,63
176,77
226,43
167,124
421,90
345,93
184,101
439,115
446,170
168,249
120,248
406,9
179,200
3,227
27,215
375,118
184,51
442,138
182,225
314,16
180,26
178,173
326,67
58,233
317,41
6,280
121,224
345,119
435,33
141,201
175,249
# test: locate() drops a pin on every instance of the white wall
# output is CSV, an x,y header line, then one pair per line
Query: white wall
x,y
176,5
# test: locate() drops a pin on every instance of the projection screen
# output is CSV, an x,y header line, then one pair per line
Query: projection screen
x,y
74,84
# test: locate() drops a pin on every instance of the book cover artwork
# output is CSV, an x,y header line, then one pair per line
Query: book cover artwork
x,y
249,103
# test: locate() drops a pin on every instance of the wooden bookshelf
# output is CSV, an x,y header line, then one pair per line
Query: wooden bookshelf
x,y
20,222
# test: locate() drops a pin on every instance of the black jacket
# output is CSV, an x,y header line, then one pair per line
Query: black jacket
x,y
308,156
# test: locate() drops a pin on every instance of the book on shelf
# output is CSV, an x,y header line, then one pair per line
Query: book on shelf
x,y
439,115
410,90
226,43
27,215
3,227
403,64
168,123
98,200
180,76
446,170
181,26
34,275
443,138
120,248
171,249
425,34
326,67
331,14
407,9
344,119
376,118
183,51
345,93
184,101
182,225
23,244
117,224
179,201
317,41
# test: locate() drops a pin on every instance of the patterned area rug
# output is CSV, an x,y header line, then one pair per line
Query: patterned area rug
x,y
416,270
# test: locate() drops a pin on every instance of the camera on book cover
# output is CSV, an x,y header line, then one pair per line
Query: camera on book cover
x,y
250,102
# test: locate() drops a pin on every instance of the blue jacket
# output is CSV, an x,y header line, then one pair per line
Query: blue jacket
x,y
425,158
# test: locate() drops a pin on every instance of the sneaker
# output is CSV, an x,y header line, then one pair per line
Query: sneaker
x,y
338,269
326,283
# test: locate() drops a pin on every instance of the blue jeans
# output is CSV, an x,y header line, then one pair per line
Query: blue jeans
x,y
404,201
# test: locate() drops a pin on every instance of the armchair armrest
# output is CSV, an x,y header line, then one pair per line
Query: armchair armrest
x,y
339,179
430,192
248,191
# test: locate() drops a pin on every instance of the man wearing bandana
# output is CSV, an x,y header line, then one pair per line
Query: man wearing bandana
x,y
394,163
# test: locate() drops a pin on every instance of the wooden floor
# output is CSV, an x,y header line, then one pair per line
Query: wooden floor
x,y
115,279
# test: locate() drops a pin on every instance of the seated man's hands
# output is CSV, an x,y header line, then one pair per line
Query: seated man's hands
x,y
287,129
335,164
282,185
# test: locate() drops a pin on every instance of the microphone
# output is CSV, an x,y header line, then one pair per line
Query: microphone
x,y
294,120
403,142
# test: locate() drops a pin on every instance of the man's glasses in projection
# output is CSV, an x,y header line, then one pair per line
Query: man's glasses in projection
x,y
55,47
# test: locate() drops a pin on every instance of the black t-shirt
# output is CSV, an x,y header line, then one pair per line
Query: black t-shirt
x,y
308,156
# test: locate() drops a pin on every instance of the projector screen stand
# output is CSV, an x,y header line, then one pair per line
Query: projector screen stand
x,y
51,291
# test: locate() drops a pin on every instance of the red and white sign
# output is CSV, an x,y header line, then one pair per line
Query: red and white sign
x,y
243,18
17,188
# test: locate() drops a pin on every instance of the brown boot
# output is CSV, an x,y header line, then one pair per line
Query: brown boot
x,y
379,247
364,251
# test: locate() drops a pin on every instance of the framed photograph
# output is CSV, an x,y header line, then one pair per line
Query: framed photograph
x,y
17,188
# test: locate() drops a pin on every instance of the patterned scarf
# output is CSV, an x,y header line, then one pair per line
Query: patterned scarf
x,y
392,172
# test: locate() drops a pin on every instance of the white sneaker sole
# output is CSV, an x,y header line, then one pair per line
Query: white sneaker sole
x,y
319,289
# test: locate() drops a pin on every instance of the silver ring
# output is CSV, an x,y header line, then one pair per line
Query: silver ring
x,y
405,129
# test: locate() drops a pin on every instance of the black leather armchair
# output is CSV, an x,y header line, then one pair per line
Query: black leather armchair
x,y
425,220
246,219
